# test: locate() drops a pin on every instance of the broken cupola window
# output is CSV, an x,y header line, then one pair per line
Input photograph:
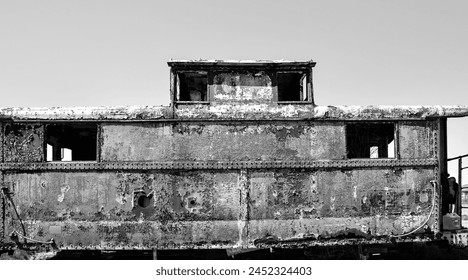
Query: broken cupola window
x,y
292,86
370,140
192,86
71,142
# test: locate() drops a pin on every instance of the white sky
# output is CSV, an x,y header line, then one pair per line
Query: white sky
x,y
114,52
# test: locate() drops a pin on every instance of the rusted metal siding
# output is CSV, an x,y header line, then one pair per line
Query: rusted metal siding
x,y
23,142
2,143
86,208
142,141
183,195
265,194
2,210
243,111
418,139
223,172
254,87
127,113
223,141
198,196
218,208
394,194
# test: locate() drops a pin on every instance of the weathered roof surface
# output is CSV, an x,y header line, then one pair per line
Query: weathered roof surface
x,y
391,112
88,113
240,63
245,111
311,112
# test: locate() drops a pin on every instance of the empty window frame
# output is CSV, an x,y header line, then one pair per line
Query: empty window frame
x,y
71,142
370,140
292,87
192,86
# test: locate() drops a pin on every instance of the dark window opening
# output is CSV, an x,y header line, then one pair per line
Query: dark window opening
x,y
193,86
370,140
71,142
292,87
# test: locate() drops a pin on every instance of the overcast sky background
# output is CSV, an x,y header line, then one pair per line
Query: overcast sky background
x,y
114,52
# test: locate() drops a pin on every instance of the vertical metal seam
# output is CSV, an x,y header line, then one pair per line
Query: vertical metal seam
x,y
99,141
397,140
2,145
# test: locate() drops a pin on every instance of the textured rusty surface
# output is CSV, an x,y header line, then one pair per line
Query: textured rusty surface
x,y
242,87
208,165
2,211
304,111
2,143
235,111
246,141
154,142
237,170
23,142
109,196
88,113
356,193
412,134
222,208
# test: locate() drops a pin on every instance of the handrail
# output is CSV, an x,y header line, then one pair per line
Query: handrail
x,y
457,157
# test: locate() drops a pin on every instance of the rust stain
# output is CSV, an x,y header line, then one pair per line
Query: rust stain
x,y
239,170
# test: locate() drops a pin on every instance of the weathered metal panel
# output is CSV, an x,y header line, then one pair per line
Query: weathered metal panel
x,y
242,111
398,192
283,194
255,87
59,196
223,142
216,165
65,199
2,143
327,141
194,195
110,196
418,139
218,208
395,195
2,210
87,113
141,141
23,142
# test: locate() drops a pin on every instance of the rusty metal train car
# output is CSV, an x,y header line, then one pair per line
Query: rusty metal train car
x,y
242,158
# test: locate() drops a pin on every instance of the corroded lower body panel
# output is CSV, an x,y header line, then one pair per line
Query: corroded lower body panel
x,y
218,208
104,235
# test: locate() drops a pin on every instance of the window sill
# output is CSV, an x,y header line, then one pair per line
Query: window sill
x,y
389,158
295,102
192,102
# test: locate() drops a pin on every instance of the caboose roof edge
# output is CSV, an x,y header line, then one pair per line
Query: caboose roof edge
x,y
220,112
240,63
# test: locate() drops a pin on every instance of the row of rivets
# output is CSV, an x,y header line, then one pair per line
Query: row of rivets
x,y
217,165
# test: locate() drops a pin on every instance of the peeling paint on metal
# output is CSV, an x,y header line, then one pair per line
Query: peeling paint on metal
x,y
233,111
23,142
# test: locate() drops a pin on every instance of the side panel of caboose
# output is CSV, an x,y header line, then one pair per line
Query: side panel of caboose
x,y
238,183
222,141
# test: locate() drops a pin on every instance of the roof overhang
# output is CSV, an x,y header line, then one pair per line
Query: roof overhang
x,y
226,64
230,112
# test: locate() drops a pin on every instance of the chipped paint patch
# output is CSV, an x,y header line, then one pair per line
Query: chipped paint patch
x,y
63,191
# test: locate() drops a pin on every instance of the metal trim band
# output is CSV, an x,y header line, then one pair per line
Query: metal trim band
x,y
194,165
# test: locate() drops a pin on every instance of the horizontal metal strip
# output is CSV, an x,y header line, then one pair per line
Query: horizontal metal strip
x,y
145,165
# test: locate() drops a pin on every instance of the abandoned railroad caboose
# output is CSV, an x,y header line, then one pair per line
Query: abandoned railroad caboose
x,y
242,158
